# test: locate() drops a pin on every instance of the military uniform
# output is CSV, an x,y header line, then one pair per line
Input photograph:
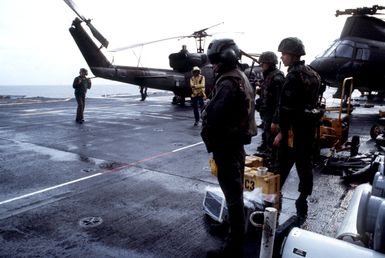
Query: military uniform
x,y
228,124
274,80
299,96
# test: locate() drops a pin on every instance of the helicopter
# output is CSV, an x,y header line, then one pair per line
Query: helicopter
x,y
359,53
175,79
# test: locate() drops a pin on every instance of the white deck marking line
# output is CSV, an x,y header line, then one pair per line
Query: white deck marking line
x,y
153,157
49,188
97,174
44,112
186,147
34,102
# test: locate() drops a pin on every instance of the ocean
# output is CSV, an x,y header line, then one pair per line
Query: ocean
x,y
66,91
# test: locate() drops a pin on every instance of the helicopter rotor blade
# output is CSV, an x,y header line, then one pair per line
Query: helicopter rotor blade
x,y
74,8
97,34
202,30
144,43
196,34
215,25
94,31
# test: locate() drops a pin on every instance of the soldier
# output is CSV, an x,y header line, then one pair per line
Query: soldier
x,y
81,84
228,124
297,122
272,85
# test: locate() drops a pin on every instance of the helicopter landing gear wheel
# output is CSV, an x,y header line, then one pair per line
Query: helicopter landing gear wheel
x,y
174,100
178,100
375,131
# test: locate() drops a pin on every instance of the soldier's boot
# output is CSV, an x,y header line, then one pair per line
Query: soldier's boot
x,y
302,208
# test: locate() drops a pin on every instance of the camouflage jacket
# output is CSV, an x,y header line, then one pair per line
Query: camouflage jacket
x,y
299,94
272,86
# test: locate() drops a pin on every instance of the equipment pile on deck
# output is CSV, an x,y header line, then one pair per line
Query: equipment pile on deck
x,y
262,189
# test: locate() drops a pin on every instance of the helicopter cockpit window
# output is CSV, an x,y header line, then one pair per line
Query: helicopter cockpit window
x,y
345,49
362,52
330,52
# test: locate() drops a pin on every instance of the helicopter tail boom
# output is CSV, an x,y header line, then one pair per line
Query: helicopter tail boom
x,y
92,54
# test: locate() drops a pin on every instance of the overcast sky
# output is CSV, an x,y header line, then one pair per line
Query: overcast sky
x,y
36,47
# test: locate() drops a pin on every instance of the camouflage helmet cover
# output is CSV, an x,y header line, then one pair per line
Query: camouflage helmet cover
x,y
292,45
268,57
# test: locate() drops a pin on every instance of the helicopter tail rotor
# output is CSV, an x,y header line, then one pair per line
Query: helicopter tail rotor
x,y
94,31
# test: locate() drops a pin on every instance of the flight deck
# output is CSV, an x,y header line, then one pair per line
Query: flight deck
x,y
128,182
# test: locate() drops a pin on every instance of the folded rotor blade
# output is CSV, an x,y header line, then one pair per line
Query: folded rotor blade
x,y
97,34
74,8
94,31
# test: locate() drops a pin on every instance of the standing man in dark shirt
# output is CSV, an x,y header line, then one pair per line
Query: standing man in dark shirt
x,y
272,85
81,84
297,121
228,124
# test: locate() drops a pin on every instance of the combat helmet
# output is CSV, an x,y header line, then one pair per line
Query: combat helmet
x,y
292,45
223,51
268,57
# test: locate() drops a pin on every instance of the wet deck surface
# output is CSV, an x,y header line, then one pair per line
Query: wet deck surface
x,y
129,182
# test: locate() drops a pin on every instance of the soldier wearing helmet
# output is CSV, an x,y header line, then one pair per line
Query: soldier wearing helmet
x,y
228,124
300,95
81,84
270,94
197,84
